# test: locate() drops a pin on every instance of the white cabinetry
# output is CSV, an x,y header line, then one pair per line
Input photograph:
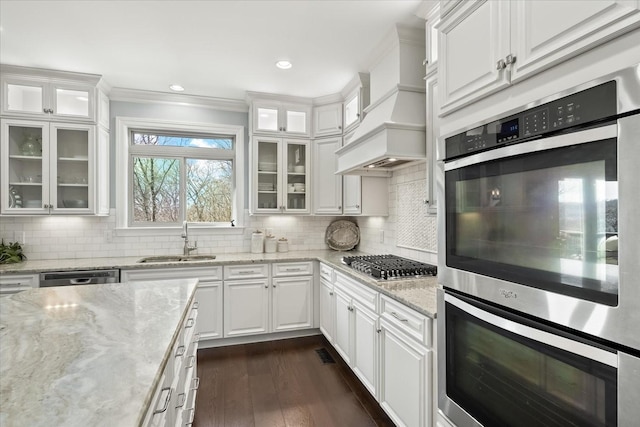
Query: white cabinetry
x,y
405,364
356,336
280,178
431,40
259,304
276,117
327,120
344,194
208,293
58,95
52,168
432,134
327,303
14,283
486,45
173,402
356,99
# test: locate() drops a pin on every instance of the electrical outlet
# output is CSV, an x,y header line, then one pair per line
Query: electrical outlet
x,y
381,236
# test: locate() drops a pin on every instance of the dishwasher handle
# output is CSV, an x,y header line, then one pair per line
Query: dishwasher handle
x,y
80,281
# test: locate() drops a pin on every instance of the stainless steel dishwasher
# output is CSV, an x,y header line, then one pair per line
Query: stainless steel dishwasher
x,y
78,277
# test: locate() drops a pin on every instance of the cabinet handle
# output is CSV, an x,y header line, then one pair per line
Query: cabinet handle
x,y
180,351
350,308
184,399
196,305
190,322
331,293
501,65
166,402
378,330
195,383
510,59
192,359
291,269
196,337
191,416
245,272
394,314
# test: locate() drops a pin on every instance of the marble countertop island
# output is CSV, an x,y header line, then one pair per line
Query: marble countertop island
x,y
87,355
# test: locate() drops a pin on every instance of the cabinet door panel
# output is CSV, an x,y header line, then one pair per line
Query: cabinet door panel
x,y
365,347
352,194
342,341
327,194
246,307
327,120
209,297
292,303
546,33
405,372
472,40
327,310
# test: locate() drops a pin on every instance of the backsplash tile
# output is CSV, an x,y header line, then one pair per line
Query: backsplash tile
x,y
96,237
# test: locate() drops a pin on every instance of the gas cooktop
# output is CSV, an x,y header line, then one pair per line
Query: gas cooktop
x,y
386,267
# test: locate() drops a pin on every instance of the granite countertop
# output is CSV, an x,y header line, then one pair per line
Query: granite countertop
x,y
419,294
87,355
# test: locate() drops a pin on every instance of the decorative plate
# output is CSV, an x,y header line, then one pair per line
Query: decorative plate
x,y
342,235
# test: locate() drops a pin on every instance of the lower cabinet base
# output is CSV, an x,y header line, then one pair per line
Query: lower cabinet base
x,y
247,339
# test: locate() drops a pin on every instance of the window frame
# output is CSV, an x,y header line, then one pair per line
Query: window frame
x,y
125,151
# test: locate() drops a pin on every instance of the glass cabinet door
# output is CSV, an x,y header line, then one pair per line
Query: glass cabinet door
x,y
72,101
24,97
268,181
297,163
24,165
70,170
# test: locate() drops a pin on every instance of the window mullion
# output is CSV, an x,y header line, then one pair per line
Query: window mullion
x,y
183,189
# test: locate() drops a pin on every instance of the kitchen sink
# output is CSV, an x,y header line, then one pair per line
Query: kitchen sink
x,y
177,258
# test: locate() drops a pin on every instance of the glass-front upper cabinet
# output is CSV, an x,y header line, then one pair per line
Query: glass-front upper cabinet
x,y
42,97
46,168
278,118
281,176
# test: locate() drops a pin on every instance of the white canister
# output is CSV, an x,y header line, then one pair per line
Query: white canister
x,y
257,242
283,245
270,244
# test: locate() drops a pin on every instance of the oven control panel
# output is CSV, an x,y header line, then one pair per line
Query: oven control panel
x,y
561,115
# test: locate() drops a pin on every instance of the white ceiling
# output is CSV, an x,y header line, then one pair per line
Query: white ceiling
x,y
213,48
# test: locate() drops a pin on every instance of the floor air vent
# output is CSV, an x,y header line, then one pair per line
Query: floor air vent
x,y
325,356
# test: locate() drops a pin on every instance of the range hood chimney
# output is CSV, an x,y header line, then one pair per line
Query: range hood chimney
x,y
392,132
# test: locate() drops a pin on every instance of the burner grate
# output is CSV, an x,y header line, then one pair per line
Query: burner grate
x,y
387,267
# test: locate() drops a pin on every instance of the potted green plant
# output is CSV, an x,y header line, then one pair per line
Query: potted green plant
x,y
11,253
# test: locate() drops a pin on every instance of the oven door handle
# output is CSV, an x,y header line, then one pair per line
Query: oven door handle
x,y
558,141
566,344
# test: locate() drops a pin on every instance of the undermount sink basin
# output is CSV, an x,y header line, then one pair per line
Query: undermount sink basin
x,y
177,258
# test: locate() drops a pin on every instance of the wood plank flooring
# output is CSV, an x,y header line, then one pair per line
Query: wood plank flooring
x,y
281,383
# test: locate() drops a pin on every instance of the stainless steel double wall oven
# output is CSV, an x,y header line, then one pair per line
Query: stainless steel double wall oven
x,y
539,262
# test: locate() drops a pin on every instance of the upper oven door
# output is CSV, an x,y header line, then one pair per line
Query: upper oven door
x,y
535,226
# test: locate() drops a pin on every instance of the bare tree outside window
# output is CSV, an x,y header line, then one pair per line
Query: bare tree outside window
x,y
158,187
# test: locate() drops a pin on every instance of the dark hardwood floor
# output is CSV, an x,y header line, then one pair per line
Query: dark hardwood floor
x,y
281,383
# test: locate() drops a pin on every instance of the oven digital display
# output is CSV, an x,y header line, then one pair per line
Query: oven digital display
x,y
506,131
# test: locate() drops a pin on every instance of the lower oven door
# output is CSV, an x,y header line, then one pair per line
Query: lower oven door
x,y
497,368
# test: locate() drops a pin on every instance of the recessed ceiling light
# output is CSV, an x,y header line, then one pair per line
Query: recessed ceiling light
x,y
176,88
283,65
392,160
371,166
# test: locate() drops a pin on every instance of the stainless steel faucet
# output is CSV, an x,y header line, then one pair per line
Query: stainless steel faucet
x,y
185,235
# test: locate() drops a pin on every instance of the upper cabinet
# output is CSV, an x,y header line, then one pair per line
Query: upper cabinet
x,y
52,168
280,118
431,41
356,99
485,45
49,95
327,120
280,181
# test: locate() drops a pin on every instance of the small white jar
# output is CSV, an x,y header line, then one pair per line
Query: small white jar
x,y
257,242
283,245
270,244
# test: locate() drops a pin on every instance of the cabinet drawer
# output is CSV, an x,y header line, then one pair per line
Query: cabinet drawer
x,y
283,269
358,291
205,274
10,284
247,271
326,272
407,320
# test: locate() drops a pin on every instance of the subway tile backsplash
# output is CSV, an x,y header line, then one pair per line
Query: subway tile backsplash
x,y
55,237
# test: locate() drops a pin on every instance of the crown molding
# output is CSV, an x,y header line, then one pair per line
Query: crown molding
x,y
151,97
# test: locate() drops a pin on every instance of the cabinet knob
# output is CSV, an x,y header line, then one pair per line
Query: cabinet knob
x,y
331,293
378,330
425,61
501,65
273,285
266,286
339,207
357,206
339,127
510,59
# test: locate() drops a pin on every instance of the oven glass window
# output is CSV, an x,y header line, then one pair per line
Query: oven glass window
x,y
503,379
547,219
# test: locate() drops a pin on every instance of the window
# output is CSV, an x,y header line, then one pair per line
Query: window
x,y
172,172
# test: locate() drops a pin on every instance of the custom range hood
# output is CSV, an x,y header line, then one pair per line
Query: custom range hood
x,y
392,132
